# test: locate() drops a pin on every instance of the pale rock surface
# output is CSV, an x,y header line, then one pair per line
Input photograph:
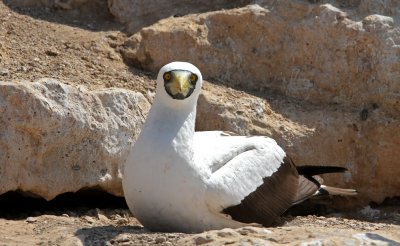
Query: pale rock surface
x,y
335,80
141,13
310,52
56,138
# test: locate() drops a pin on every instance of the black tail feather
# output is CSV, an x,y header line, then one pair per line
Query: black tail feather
x,y
310,183
317,170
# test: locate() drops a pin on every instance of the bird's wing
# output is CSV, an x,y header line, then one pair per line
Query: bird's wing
x,y
213,149
251,180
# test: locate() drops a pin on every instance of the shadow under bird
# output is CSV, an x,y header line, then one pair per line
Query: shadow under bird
x,y
176,179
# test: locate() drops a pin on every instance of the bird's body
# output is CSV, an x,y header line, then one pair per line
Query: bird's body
x,y
176,179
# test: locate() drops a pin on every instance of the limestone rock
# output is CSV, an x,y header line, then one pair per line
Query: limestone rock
x,y
140,13
305,51
55,138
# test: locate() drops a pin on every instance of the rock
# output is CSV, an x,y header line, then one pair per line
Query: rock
x,y
89,219
52,52
101,216
199,240
4,71
141,13
314,58
122,238
312,68
369,212
374,239
31,220
56,138
160,239
246,230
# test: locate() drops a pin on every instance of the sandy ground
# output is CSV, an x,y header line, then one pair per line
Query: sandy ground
x,y
119,227
82,48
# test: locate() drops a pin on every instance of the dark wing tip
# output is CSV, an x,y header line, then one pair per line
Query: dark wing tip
x,y
270,200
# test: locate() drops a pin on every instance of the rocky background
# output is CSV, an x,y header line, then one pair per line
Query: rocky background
x,y
77,80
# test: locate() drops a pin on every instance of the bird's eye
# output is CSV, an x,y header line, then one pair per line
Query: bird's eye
x,y
193,78
167,76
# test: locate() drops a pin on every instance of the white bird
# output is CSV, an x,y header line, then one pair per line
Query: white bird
x,y
176,179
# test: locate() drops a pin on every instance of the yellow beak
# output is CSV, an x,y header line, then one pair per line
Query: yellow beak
x,y
180,86
180,83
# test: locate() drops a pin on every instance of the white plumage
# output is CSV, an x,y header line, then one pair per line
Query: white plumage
x,y
179,180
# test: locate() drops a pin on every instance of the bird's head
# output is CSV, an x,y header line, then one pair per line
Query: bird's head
x,y
179,82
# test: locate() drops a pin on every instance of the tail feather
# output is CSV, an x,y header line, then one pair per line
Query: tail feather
x,y
310,184
336,191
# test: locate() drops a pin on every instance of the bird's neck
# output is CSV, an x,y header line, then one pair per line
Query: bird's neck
x,y
173,128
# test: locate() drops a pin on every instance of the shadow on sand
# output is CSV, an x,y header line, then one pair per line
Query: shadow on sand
x,y
99,235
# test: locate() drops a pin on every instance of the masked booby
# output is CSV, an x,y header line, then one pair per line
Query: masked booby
x,y
176,179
